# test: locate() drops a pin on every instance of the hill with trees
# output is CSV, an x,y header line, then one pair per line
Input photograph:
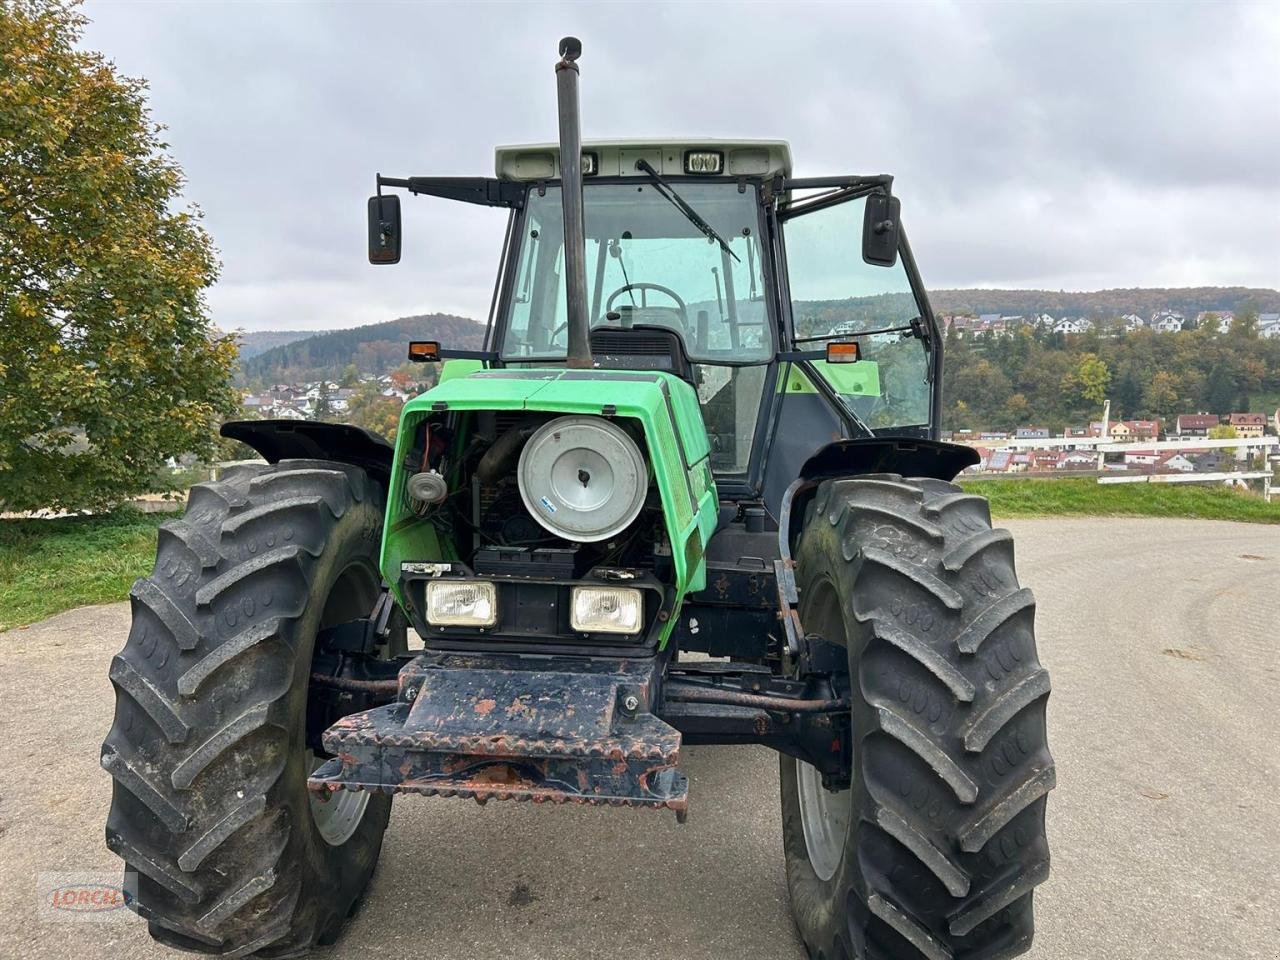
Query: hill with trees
x,y
254,342
377,348
1104,304
1033,376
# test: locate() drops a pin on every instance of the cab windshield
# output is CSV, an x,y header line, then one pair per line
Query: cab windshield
x,y
646,263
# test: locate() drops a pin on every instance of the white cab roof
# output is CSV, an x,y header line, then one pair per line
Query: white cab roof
x,y
743,158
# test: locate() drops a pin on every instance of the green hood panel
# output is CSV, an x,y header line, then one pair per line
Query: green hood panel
x,y
665,407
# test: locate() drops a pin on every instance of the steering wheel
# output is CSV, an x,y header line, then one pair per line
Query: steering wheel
x,y
644,300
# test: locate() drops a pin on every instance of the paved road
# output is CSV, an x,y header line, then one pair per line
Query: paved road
x,y
1162,640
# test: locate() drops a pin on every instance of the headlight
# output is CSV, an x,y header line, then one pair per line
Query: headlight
x,y
607,610
462,603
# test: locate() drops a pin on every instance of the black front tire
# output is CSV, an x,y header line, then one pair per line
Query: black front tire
x,y
945,838
208,750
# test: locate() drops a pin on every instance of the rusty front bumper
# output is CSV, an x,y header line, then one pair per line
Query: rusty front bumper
x,y
504,727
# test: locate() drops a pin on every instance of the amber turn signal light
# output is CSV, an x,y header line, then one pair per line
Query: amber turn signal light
x,y
843,352
424,351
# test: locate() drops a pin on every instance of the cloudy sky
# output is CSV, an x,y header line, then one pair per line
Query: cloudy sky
x,y
1066,146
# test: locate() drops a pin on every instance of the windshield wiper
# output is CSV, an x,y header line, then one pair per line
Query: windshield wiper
x,y
677,201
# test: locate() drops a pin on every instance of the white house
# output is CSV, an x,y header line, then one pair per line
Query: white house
x,y
1167,321
1071,325
1176,462
1132,322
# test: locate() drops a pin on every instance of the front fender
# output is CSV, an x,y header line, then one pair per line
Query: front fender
x,y
863,455
279,440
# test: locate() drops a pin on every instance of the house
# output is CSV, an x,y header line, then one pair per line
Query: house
x,y
1167,321
1132,322
289,413
1031,433
993,435
1120,432
1175,462
1042,461
998,462
1071,325
1143,429
1019,462
1196,424
1248,424
1044,320
1269,331
1141,458
1077,460
1096,429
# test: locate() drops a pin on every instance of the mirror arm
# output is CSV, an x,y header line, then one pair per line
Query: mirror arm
x,y
486,191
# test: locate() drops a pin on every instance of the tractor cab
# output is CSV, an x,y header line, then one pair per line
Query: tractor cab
x,y
708,259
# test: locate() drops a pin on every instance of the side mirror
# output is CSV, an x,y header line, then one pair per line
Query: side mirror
x,y
384,229
880,226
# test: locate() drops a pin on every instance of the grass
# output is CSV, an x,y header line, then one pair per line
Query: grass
x,y
1080,496
47,566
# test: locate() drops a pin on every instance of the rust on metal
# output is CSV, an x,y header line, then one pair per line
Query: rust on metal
x,y
562,738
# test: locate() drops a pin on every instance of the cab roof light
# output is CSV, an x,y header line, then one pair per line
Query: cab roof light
x,y
844,352
424,351
704,162
590,163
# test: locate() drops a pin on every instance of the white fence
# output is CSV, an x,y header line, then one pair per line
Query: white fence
x,y
1105,445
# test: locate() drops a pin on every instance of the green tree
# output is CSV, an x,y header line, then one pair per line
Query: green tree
x,y
371,410
350,375
108,361
1093,378
1161,395
1245,323
1220,390
1224,431
323,409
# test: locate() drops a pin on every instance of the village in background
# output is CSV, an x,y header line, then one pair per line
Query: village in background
x,y
1020,389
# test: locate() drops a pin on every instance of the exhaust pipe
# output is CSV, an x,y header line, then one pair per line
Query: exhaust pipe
x,y
575,242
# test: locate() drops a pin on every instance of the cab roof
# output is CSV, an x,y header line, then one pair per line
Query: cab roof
x,y
617,158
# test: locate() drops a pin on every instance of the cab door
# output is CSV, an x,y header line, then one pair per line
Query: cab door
x,y
830,293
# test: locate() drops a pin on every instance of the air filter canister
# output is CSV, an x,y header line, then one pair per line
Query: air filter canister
x,y
582,478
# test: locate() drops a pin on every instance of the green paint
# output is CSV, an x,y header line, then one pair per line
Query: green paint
x,y
452,369
861,379
665,407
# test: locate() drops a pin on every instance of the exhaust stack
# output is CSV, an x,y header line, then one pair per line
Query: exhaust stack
x,y
575,264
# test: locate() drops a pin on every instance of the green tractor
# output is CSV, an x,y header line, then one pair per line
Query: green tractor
x,y
690,491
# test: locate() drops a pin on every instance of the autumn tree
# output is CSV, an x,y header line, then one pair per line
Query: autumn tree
x,y
108,361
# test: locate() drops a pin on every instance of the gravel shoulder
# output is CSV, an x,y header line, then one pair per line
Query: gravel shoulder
x,y
1162,640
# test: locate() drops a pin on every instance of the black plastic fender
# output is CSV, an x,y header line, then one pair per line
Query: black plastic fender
x,y
280,440
850,457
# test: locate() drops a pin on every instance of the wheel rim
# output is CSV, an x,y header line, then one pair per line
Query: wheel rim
x,y
825,816
338,814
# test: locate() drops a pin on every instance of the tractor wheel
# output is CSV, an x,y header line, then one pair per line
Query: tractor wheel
x,y
225,849
935,846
